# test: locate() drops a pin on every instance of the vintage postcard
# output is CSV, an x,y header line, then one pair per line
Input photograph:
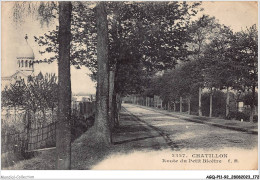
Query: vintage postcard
x,y
120,85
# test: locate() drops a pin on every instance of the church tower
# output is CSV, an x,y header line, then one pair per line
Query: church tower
x,y
25,58
25,66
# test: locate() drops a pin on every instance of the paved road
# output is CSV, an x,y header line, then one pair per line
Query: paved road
x,y
181,134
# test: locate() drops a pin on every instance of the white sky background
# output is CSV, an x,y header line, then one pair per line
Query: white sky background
x,y
237,15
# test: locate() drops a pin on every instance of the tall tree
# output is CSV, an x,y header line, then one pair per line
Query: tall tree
x,y
63,129
219,64
102,96
201,32
246,48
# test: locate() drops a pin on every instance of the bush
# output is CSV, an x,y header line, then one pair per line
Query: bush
x,y
241,115
218,112
129,102
232,115
194,113
238,116
255,118
80,124
218,106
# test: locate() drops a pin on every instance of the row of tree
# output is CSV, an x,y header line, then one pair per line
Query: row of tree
x,y
219,59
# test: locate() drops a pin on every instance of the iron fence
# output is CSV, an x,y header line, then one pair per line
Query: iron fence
x,y
42,137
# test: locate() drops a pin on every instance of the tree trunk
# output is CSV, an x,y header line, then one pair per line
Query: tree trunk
x,y
33,124
102,118
200,110
117,109
227,103
111,94
180,104
189,100
252,110
174,106
63,129
27,129
237,102
52,116
210,103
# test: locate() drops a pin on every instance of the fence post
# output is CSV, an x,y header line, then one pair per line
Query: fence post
x,y
25,138
42,132
37,137
180,104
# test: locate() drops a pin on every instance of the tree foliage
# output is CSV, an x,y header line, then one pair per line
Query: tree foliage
x,y
218,59
40,93
150,34
246,56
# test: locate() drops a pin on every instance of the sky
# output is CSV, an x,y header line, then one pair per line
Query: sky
x,y
236,14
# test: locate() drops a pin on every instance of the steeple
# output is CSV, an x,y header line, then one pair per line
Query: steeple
x,y
25,56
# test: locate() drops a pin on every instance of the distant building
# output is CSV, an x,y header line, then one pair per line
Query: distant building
x,y
25,66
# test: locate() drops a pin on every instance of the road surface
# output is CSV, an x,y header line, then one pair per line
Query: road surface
x,y
181,134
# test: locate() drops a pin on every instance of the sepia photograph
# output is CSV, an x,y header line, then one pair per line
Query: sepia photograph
x,y
129,85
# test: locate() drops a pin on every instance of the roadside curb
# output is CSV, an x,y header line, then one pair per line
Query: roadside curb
x,y
202,122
